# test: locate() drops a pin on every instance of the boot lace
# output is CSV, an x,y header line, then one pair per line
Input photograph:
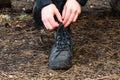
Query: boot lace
x,y
63,39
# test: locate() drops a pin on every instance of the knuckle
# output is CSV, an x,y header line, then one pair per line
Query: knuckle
x,y
74,11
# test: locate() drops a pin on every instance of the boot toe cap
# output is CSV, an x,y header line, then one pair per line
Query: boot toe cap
x,y
62,62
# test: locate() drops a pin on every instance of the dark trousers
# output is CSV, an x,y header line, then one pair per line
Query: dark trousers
x,y
59,4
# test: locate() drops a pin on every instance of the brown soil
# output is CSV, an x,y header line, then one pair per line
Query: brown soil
x,y
24,49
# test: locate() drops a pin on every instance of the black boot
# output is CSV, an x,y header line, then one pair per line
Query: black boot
x,y
61,53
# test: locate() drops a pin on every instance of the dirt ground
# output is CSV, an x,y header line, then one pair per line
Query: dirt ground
x,y
24,49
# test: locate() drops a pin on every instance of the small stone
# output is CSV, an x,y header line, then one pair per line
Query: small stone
x,y
10,76
51,74
5,16
91,6
87,79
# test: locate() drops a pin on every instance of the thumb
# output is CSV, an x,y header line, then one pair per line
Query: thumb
x,y
58,15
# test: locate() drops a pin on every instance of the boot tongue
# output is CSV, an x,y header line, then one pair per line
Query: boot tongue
x,y
60,27
61,37
60,33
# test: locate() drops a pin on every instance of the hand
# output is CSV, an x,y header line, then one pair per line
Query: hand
x,y
47,13
71,11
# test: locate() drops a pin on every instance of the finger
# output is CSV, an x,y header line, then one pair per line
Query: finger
x,y
70,19
58,15
53,22
47,24
75,17
67,15
63,12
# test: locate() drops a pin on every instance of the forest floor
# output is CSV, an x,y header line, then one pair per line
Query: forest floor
x,y
24,49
